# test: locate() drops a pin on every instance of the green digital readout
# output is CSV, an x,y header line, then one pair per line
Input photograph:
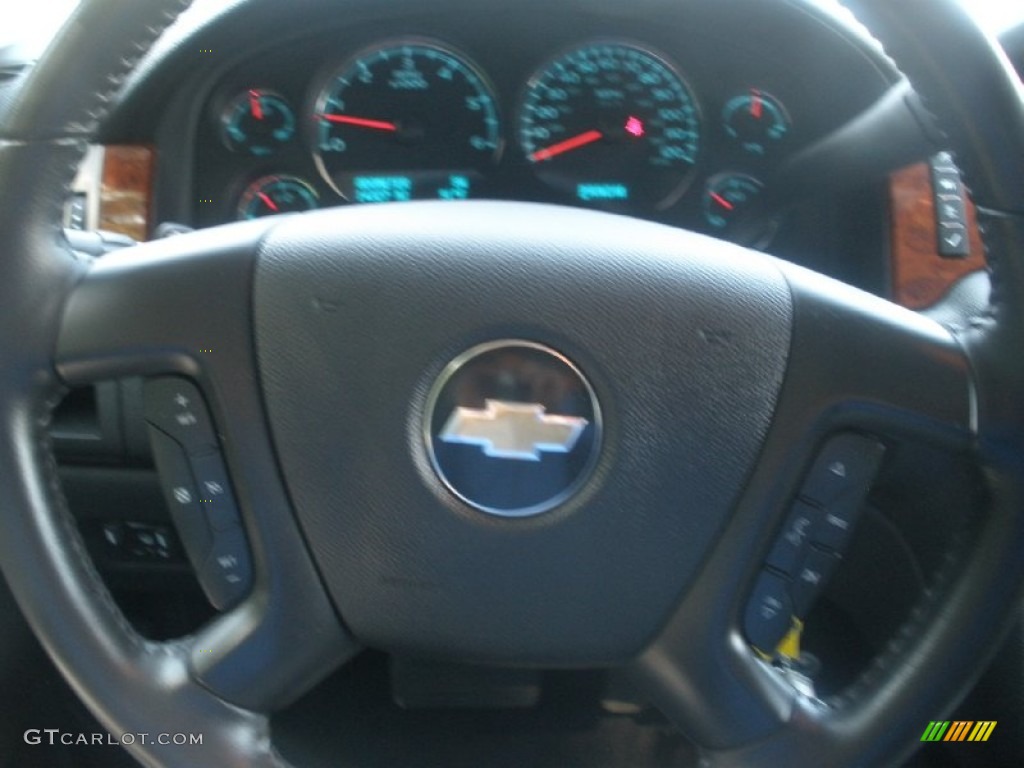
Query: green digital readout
x,y
396,188
588,192
381,189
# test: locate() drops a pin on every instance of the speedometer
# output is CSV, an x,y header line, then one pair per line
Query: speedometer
x,y
611,124
403,120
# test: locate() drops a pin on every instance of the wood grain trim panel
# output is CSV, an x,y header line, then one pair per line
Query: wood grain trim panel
x,y
920,277
126,190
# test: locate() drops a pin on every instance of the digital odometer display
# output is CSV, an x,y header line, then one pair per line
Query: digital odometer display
x,y
400,109
612,125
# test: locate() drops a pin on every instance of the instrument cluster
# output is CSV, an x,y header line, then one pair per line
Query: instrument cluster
x,y
610,122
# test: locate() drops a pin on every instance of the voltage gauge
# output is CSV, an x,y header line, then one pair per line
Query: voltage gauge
x,y
731,209
727,195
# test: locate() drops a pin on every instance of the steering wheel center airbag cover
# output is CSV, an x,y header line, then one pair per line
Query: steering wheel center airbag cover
x,y
358,314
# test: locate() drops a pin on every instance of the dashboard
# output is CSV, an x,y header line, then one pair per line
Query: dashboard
x,y
681,114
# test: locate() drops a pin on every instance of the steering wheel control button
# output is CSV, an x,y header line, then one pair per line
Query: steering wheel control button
x,y
843,471
794,539
226,576
182,495
769,612
811,578
215,496
175,406
132,541
836,524
197,488
513,428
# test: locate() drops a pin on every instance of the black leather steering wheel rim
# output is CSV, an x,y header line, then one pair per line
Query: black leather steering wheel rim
x,y
120,675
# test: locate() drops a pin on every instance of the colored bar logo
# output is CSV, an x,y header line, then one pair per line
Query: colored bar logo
x,y
959,730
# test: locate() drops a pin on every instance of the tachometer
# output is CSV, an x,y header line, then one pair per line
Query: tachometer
x,y
611,124
402,120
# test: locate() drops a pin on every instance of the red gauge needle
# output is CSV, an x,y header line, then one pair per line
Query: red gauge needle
x,y
361,122
756,105
722,201
268,202
589,137
255,105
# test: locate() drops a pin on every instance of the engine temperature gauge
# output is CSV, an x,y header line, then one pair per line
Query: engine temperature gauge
x,y
756,120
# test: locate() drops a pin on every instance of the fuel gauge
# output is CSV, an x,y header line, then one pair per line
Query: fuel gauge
x,y
257,122
756,120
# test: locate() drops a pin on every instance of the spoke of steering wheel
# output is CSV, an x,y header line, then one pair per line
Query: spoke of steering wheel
x,y
182,306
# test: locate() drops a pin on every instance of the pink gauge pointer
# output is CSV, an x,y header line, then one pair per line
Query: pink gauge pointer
x,y
722,201
360,122
254,105
589,137
267,201
756,104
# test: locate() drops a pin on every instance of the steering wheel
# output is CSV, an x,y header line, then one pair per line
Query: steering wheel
x,y
325,344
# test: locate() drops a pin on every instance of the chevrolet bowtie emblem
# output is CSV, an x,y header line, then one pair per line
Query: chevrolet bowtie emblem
x,y
520,431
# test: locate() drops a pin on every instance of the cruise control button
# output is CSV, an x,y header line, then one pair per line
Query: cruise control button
x,y
227,574
215,496
175,405
794,538
182,496
769,612
845,468
810,579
